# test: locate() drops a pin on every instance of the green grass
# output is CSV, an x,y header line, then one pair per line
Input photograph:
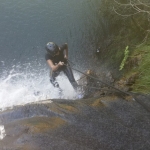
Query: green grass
x,y
142,84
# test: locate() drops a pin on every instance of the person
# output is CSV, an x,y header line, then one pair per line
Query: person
x,y
56,58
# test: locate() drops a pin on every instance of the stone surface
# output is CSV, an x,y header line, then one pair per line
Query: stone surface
x,y
104,123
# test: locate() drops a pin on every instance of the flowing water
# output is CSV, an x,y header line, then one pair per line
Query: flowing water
x,y
25,27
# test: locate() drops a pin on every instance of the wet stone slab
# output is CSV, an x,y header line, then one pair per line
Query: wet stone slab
x,y
106,123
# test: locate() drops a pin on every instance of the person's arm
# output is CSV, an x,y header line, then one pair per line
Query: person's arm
x,y
66,51
54,67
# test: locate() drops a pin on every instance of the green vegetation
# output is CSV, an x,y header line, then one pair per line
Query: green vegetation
x,y
142,84
129,24
126,54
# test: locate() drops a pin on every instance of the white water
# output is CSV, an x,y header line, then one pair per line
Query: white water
x,y
2,132
31,85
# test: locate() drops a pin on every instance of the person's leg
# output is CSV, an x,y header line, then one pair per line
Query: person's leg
x,y
53,75
67,70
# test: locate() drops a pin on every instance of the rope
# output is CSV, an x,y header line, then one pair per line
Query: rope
x,y
70,62
130,94
92,87
99,80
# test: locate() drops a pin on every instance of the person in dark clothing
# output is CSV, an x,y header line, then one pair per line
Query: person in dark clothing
x,y
56,58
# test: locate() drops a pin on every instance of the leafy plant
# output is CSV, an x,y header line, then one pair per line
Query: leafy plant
x,y
126,54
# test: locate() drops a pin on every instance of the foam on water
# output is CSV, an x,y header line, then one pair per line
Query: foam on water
x,y
31,85
2,132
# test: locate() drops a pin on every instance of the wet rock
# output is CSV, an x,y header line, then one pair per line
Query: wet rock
x,y
89,84
105,123
109,77
134,62
97,84
125,84
131,79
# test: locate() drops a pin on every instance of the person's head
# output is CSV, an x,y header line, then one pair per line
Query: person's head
x,y
52,48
